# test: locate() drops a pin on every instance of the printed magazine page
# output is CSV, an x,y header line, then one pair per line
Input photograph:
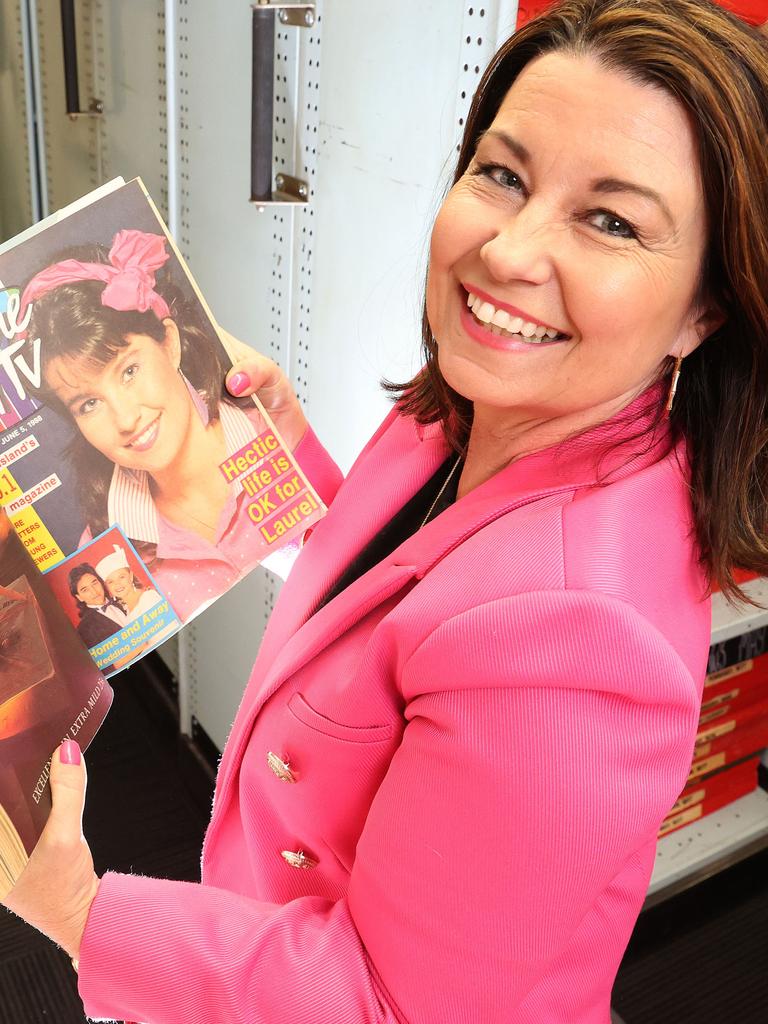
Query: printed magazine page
x,y
50,690
140,487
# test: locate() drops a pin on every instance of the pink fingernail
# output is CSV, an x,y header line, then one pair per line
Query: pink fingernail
x,y
69,752
238,382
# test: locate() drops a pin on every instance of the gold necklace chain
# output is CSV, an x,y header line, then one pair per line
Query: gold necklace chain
x,y
440,492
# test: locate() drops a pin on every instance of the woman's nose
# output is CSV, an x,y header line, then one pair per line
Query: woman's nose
x,y
521,249
126,416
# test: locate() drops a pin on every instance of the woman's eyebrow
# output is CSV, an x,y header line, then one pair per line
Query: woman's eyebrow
x,y
604,185
600,185
512,144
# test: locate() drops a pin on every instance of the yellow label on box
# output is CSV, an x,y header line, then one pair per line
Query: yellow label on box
x,y
716,730
709,716
686,801
680,819
723,698
729,673
708,764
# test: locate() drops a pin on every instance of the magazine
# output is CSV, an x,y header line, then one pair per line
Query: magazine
x,y
50,690
142,490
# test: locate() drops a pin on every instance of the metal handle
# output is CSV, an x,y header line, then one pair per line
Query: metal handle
x,y
69,40
262,101
71,82
289,189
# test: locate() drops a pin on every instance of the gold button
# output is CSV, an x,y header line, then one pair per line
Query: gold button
x,y
299,859
280,768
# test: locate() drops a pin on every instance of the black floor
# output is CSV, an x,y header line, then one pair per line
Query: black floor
x,y
701,958
698,959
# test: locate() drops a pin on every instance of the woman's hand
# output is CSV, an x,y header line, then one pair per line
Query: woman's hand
x,y
253,373
55,891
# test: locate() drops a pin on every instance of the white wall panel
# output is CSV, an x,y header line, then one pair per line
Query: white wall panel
x,y
396,82
130,80
72,148
368,110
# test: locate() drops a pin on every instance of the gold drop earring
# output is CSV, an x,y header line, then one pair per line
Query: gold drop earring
x,y
673,386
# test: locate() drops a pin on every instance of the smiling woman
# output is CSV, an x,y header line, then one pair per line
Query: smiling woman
x,y
603,190
132,362
522,225
478,695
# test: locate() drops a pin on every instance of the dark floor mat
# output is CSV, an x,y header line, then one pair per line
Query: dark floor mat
x,y
139,817
701,957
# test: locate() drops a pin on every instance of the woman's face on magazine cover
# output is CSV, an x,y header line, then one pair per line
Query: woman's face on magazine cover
x,y
90,590
120,583
136,410
583,209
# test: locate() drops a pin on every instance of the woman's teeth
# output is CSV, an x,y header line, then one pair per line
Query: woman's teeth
x,y
498,321
145,437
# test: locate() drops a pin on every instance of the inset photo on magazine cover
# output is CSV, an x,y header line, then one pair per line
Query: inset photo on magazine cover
x,y
112,600
114,412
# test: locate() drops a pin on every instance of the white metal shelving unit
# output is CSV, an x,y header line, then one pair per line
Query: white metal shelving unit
x,y
730,620
701,849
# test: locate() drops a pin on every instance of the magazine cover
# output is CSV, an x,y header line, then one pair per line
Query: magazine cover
x,y
140,487
50,690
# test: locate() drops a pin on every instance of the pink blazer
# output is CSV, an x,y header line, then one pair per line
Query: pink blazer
x,y
483,734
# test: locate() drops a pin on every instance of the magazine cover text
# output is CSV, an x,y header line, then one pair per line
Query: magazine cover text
x,y
140,487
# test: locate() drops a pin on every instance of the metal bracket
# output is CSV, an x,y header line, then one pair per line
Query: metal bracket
x,y
302,15
95,109
287,190
299,14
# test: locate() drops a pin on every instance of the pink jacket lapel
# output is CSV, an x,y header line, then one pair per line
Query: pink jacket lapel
x,y
378,486
375,489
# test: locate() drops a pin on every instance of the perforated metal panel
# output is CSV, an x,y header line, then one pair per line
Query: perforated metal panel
x,y
72,148
129,77
17,208
367,109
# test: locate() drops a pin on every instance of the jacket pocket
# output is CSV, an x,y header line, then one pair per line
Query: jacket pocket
x,y
306,714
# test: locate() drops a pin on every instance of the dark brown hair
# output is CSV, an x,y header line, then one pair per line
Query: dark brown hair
x,y
76,574
716,66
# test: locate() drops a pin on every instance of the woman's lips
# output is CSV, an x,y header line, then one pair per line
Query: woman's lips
x,y
479,333
144,440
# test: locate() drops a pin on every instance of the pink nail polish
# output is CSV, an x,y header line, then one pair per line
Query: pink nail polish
x,y
69,752
238,382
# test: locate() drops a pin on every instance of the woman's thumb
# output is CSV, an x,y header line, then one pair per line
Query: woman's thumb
x,y
68,782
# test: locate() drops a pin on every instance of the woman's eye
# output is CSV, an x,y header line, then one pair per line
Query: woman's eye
x,y
130,372
87,406
612,220
498,173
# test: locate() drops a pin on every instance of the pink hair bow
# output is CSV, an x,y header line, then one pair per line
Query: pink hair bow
x,y
129,275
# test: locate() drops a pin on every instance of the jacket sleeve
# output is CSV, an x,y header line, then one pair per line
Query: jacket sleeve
x,y
318,466
547,735
321,470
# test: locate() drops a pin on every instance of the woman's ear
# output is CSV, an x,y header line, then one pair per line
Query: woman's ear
x,y
700,326
710,321
172,342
